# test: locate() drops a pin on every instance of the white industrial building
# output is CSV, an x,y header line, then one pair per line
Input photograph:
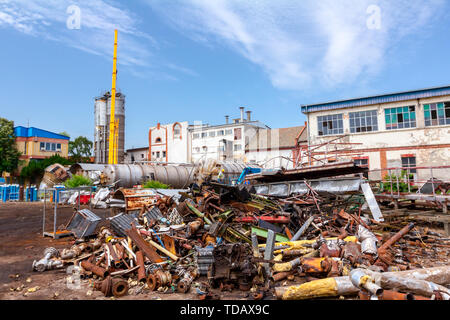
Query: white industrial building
x,y
181,142
404,129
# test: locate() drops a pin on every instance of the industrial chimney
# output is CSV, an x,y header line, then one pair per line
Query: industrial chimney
x,y
242,113
248,115
227,119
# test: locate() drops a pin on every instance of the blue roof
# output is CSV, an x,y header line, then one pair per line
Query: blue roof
x,y
384,98
35,132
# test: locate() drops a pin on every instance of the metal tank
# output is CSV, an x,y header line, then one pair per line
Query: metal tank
x,y
129,175
100,129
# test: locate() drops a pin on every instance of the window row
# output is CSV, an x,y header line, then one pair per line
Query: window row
x,y
236,147
49,146
158,154
396,118
212,134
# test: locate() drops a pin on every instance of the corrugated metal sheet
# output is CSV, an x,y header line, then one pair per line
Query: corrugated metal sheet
x,y
122,222
83,223
386,98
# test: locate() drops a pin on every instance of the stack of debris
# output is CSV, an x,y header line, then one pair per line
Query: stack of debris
x,y
239,240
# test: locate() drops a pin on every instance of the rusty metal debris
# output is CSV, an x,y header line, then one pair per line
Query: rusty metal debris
x,y
281,244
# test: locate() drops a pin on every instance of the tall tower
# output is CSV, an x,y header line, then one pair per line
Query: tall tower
x,y
102,112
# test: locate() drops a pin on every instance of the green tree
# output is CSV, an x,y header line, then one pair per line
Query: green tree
x,y
9,155
80,149
64,133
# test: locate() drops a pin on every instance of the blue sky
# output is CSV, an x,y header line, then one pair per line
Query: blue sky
x,y
199,60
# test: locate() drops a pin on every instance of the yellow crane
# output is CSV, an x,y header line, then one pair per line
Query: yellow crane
x,y
113,123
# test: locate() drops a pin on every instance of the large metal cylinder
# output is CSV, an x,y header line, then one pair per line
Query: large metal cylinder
x,y
129,175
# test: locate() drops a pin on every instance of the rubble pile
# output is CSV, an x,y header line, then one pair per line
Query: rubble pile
x,y
217,238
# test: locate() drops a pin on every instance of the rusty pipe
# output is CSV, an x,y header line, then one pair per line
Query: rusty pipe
x,y
140,262
406,284
281,275
396,237
99,271
331,287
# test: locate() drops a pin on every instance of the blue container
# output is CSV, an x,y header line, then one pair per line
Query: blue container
x,y
31,194
57,192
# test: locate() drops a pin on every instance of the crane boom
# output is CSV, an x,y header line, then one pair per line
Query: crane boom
x,y
112,155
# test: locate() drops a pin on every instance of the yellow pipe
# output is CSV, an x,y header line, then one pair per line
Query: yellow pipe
x,y
112,129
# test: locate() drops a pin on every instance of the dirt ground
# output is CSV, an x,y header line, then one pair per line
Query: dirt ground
x,y
21,242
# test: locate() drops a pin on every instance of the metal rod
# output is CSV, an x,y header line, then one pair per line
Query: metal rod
x,y
54,217
43,218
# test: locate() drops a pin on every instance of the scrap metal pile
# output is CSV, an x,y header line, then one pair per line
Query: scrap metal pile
x,y
218,238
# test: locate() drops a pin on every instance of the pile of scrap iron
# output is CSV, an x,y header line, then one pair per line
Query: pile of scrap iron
x,y
217,238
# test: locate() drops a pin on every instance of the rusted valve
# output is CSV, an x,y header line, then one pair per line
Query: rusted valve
x,y
112,286
158,279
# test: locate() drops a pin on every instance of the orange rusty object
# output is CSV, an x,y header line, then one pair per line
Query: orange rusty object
x,y
99,271
385,257
148,250
316,265
391,295
169,243
136,199
140,262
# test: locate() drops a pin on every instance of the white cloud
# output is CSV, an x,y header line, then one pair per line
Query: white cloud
x,y
47,19
302,43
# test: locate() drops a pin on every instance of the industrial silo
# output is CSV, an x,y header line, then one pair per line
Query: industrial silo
x,y
119,111
100,130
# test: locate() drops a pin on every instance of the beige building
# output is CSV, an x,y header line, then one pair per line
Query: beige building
x,y
405,129
39,144
276,148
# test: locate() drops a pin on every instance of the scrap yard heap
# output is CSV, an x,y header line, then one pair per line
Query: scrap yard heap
x,y
216,239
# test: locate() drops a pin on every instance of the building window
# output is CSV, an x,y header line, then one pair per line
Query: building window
x,y
363,121
164,154
58,147
47,146
142,156
158,140
212,134
437,114
176,130
157,154
331,124
237,134
220,133
132,158
237,147
409,161
399,118
204,134
195,136
227,132
205,148
362,162
42,146
197,149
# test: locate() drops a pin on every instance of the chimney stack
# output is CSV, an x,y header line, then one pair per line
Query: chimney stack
x,y
249,115
227,119
242,113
